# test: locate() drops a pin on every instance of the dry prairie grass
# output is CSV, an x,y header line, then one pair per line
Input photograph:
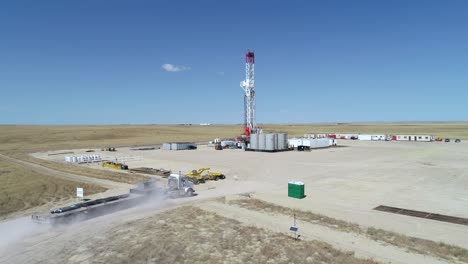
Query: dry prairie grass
x,y
21,188
417,245
192,235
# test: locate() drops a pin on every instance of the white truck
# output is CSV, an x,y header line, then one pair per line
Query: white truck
x,y
179,185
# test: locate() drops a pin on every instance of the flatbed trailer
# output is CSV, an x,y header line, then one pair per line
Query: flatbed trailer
x,y
144,191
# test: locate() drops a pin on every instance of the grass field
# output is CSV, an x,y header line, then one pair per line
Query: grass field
x,y
19,141
22,188
192,235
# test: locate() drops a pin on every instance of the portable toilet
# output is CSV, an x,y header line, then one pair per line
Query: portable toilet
x,y
296,189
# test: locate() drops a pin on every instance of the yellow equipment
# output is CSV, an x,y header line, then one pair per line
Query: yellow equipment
x,y
212,175
114,165
196,175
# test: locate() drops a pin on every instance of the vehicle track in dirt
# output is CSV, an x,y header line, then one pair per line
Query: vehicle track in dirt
x,y
66,175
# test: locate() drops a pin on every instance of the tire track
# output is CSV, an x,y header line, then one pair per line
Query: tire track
x,y
66,175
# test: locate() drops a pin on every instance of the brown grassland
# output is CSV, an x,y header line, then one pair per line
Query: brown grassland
x,y
192,235
22,189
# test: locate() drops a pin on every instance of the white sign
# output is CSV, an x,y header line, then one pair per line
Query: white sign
x,y
79,192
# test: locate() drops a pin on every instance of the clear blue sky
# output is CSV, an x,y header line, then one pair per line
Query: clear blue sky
x,y
101,62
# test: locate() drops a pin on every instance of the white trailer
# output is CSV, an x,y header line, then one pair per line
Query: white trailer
x,y
294,142
379,137
372,137
423,138
308,143
315,135
347,136
365,137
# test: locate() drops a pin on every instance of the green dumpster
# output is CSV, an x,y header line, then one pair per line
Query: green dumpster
x,y
296,189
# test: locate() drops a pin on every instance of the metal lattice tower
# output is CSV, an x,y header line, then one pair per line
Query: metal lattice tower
x,y
249,93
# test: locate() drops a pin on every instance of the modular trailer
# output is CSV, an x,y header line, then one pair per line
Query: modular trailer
x,y
309,143
372,137
423,138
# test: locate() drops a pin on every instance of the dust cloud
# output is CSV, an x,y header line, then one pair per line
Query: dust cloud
x,y
14,231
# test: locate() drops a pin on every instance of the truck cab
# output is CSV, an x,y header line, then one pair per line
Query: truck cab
x,y
179,185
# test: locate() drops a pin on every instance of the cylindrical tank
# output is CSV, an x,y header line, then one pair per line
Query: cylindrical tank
x,y
270,142
261,141
282,141
253,141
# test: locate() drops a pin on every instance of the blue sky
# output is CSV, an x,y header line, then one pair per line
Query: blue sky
x,y
103,62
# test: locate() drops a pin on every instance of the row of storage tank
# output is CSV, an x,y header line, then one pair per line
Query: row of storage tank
x,y
179,146
83,159
269,142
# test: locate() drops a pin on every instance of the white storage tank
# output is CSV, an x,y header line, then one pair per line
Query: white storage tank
x,y
261,142
253,141
270,142
282,141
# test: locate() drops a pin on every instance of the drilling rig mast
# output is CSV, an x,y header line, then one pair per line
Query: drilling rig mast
x,y
249,94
